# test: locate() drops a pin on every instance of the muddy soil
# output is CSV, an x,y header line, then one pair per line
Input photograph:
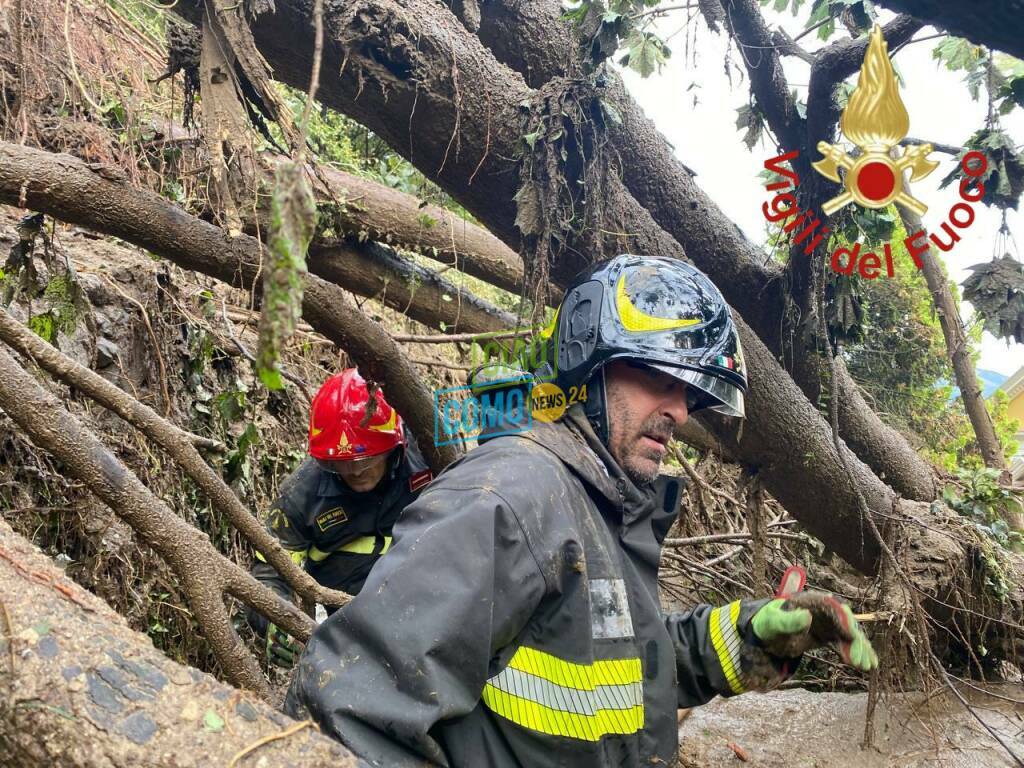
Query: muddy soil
x,y
802,729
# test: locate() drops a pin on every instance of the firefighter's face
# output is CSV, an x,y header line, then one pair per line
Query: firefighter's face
x,y
645,406
360,475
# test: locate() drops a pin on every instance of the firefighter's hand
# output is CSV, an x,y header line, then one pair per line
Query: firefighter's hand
x,y
282,649
807,620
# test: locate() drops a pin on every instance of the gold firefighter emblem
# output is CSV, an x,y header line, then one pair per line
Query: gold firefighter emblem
x,y
876,120
344,446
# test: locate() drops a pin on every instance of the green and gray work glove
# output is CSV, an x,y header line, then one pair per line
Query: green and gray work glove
x,y
282,648
789,627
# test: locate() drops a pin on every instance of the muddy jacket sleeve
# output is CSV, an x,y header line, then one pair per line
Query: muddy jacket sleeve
x,y
716,651
288,529
413,649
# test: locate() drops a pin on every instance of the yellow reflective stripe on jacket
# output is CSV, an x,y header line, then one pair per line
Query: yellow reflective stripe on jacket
x,y
297,556
726,641
364,545
582,676
543,693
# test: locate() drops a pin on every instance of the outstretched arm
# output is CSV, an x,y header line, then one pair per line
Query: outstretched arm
x,y
710,644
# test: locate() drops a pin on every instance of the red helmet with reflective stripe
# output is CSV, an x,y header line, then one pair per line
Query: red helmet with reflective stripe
x,y
338,424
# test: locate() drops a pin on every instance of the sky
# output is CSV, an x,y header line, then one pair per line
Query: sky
x,y
706,139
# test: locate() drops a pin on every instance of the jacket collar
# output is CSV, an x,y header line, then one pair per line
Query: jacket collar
x,y
573,440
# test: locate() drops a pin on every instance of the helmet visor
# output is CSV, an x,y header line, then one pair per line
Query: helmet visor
x,y
355,466
714,393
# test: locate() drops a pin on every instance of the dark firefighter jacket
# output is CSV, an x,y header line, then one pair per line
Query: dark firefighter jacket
x,y
516,621
338,533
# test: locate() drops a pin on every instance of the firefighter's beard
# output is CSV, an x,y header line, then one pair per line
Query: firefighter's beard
x,y
634,444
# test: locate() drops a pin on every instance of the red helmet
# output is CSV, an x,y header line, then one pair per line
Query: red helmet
x,y
338,427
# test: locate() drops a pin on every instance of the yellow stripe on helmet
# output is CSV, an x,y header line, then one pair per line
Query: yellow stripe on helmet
x,y
633,319
390,426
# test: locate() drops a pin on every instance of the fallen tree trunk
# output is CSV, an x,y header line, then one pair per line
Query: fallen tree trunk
x,y
80,689
376,271
398,81
752,283
395,218
99,198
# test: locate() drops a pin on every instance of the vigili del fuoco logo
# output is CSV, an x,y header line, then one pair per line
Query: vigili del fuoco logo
x,y
876,121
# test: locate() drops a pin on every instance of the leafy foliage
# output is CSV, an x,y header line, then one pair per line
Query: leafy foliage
x,y
750,119
1010,83
986,503
996,289
957,53
1004,176
1001,74
856,15
293,219
646,53
606,27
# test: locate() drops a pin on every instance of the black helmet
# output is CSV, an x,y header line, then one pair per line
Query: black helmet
x,y
661,312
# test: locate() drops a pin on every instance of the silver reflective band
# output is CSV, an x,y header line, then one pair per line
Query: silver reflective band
x,y
575,700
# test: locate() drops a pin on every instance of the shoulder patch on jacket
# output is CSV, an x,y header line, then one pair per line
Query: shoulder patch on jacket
x,y
277,519
420,479
330,518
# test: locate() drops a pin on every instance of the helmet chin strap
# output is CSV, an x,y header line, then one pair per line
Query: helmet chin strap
x,y
595,406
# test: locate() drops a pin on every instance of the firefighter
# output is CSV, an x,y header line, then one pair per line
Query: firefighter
x,y
516,621
335,513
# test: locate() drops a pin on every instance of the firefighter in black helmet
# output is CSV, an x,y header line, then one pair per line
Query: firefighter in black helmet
x,y
516,621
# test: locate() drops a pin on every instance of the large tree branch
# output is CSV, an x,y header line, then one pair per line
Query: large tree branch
x,y
764,67
377,271
372,210
403,53
100,199
81,689
998,24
